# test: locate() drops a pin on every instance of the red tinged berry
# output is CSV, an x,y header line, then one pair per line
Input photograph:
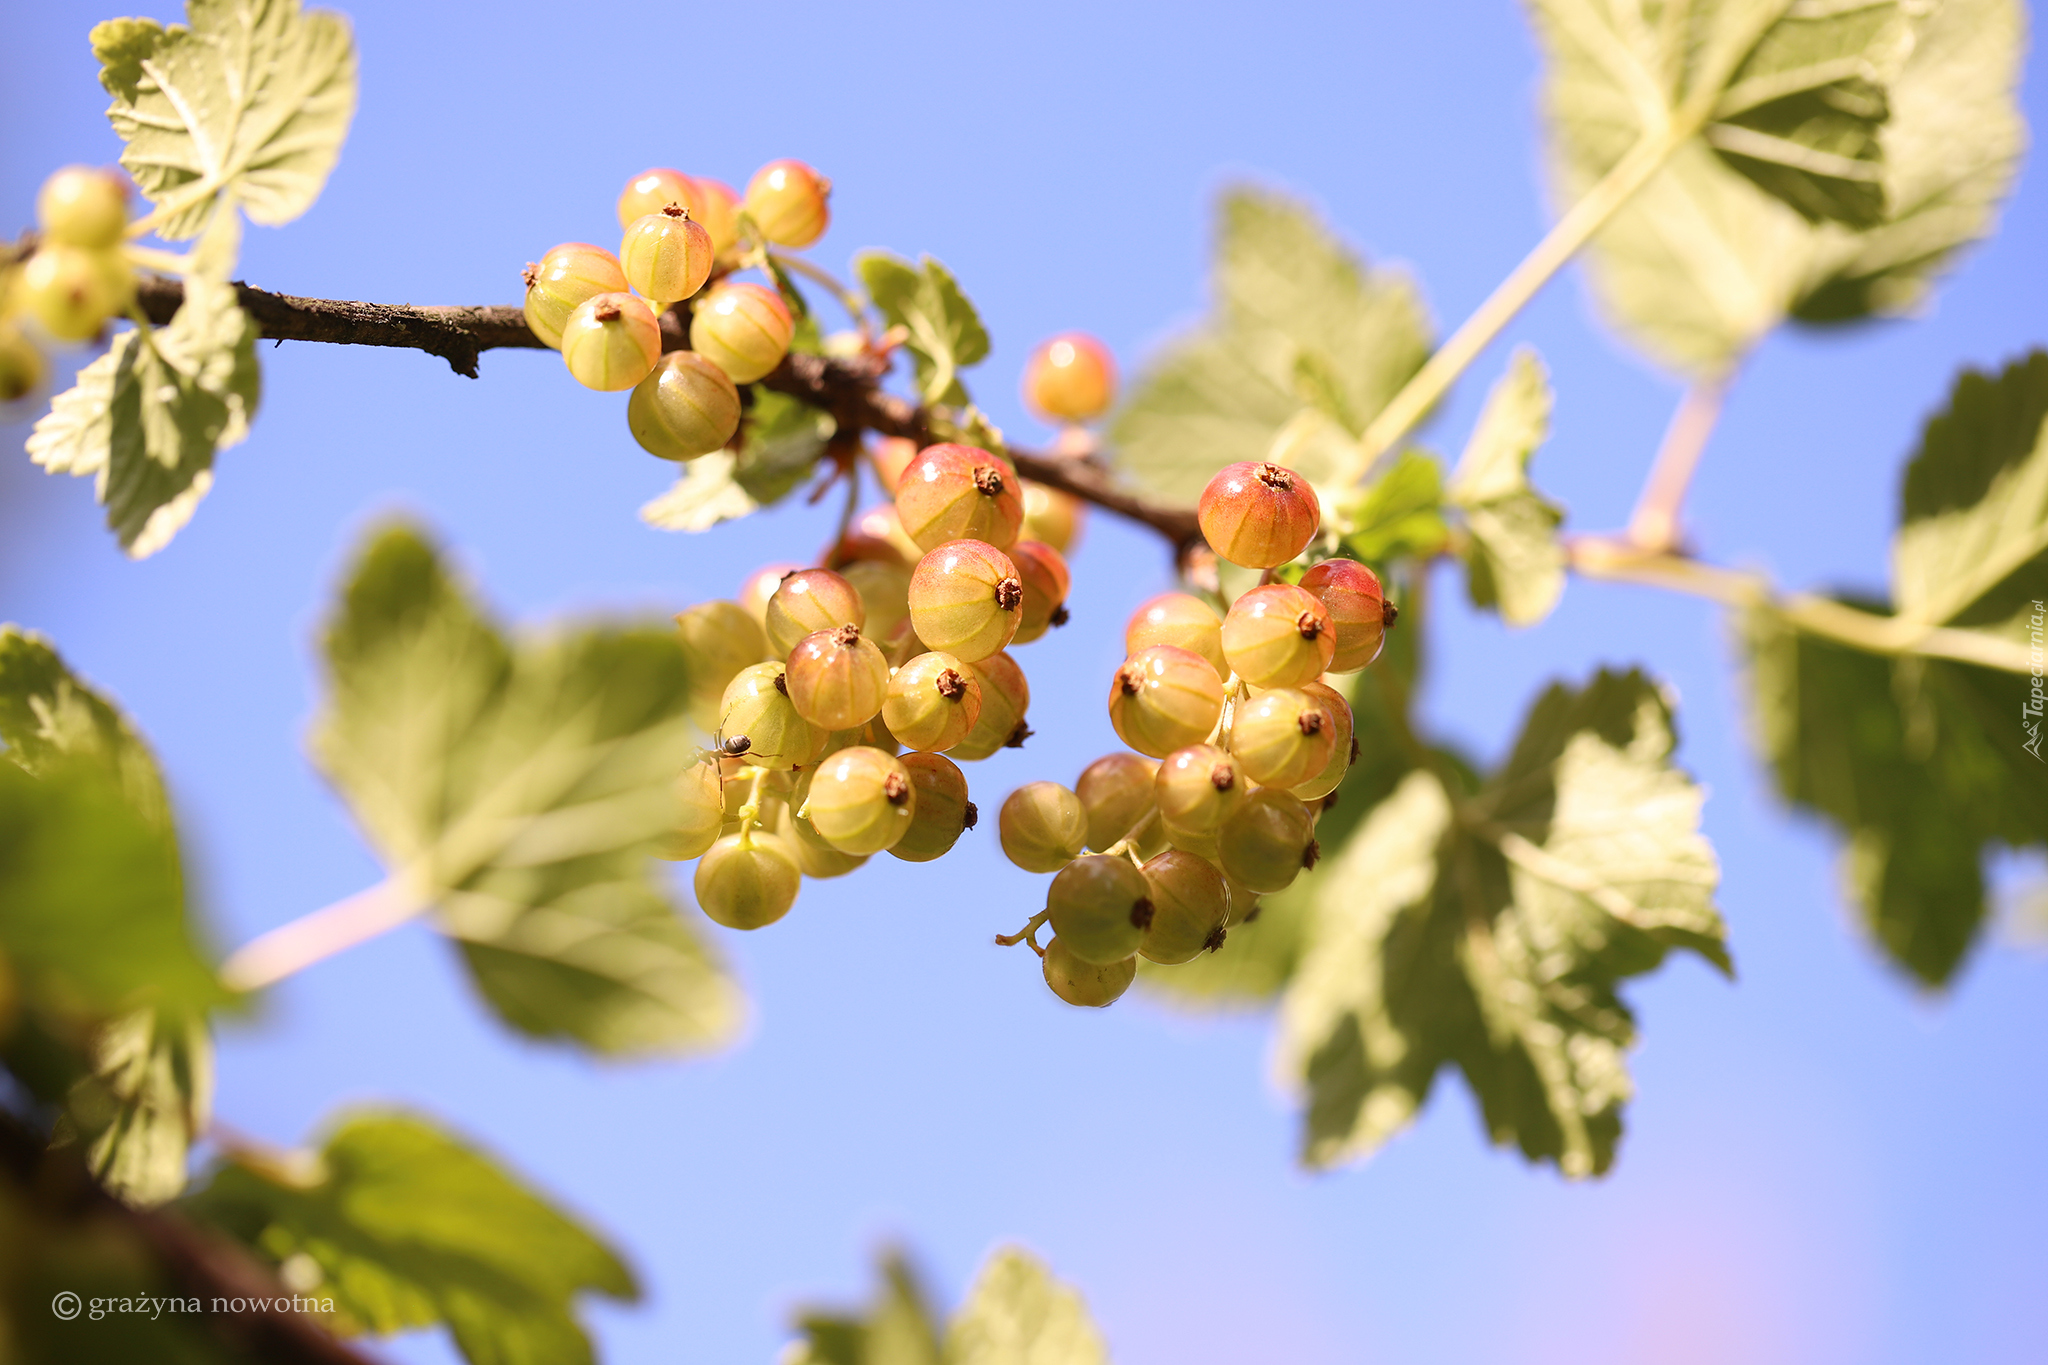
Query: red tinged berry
x,y
1182,620
611,341
1358,610
837,679
810,600
1163,698
653,190
1005,697
1283,737
1044,575
746,328
966,599
933,702
1189,906
1259,515
1278,635
1071,378
942,811
956,492
789,203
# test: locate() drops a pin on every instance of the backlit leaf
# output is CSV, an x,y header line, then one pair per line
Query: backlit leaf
x,y
1512,556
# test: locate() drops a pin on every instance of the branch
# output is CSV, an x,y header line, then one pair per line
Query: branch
x,y
848,389
1654,524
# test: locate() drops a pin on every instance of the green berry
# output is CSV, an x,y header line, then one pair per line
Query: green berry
x,y
837,678
1258,515
684,408
1084,983
1163,699
1101,906
1197,787
717,206
1343,745
1278,636
84,206
1042,827
1071,378
756,706
1005,697
23,367
1117,793
810,600
884,589
719,639
1189,906
942,811
1283,737
567,277
788,202
74,290
745,881
1051,516
1358,610
861,801
956,492
1181,620
815,857
754,596
653,190
1044,575
1203,843
700,811
610,342
966,599
666,255
933,702
1244,902
746,328
1267,841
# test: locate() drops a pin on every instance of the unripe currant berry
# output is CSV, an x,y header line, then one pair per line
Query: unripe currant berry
x,y
956,492
1358,609
1084,983
1198,787
1101,907
741,784
666,255
564,279
84,206
788,201
699,813
611,341
890,456
720,639
884,589
23,367
1200,842
1052,516
1042,827
966,599
1071,378
1278,636
1163,699
861,801
73,290
816,858
933,702
1343,745
1268,841
837,678
717,207
755,592
942,812
684,408
746,881
1044,575
1116,792
1182,620
1005,697
653,190
746,328
1244,902
1282,737
902,645
810,600
756,705
1189,906
1258,515
876,534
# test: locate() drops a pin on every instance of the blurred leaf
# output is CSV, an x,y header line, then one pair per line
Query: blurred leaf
x,y
48,715
1513,559
705,495
1299,324
410,1228
146,419
149,1099
946,334
782,442
246,103
1018,1314
1400,513
1248,971
520,789
898,1328
1493,930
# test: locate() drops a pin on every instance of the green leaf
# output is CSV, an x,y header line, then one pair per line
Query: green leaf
x,y
246,103
149,1099
1919,763
49,715
898,1328
1513,560
778,448
146,419
1401,513
1305,343
1254,963
946,334
520,790
1491,929
1018,1314
409,1227
705,495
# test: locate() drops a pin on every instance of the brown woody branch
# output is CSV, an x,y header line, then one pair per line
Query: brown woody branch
x,y
849,389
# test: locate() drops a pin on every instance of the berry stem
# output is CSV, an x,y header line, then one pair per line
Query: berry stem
x,y
852,300
271,957
751,811
1026,934
1654,524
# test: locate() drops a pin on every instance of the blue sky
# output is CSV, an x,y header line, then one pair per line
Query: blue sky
x,y
1822,1165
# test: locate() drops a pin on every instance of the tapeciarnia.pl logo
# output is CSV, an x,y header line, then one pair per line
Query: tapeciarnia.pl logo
x,y
2030,710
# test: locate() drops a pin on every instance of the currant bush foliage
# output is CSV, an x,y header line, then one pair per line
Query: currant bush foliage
x,y
1016,1313
519,788
945,332
1513,561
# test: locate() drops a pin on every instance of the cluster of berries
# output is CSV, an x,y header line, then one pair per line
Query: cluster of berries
x,y
75,280
1240,740
842,694
603,312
